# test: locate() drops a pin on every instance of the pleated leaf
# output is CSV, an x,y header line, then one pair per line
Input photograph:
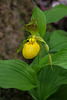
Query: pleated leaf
x,y
56,13
48,82
16,74
58,59
39,16
61,94
58,41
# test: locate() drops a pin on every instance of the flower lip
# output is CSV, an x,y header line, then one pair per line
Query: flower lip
x,y
30,49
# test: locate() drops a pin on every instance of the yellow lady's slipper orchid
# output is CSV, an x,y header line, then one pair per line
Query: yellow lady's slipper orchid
x,y
30,49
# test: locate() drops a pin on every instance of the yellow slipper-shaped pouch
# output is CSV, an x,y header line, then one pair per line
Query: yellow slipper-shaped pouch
x,y
30,49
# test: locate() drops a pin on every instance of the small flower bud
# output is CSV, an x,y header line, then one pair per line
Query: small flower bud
x,y
47,48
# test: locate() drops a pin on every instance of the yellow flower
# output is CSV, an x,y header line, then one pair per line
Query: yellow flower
x,y
30,49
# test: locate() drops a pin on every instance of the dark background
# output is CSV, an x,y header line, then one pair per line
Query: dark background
x,y
13,15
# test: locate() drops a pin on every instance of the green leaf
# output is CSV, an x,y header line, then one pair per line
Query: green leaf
x,y
48,82
41,20
16,74
56,13
58,59
58,41
61,94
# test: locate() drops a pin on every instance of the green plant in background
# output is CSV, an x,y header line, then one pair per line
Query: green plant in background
x,y
38,78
